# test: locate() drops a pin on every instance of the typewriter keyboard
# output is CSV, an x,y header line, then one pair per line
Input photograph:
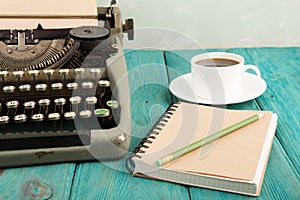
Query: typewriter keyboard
x,y
53,108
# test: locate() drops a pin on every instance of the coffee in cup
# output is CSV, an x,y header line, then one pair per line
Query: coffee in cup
x,y
219,75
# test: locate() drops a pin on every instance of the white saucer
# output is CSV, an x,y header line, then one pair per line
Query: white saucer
x,y
253,87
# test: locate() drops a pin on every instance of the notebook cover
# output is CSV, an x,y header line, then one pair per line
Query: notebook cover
x,y
235,156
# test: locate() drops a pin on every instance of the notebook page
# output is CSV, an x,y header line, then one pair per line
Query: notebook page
x,y
234,156
49,8
16,14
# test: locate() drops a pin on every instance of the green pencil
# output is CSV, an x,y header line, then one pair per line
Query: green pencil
x,y
187,149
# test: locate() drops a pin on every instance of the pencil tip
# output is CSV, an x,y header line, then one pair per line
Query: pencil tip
x,y
260,115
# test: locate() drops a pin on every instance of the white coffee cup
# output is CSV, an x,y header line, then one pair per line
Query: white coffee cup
x,y
219,75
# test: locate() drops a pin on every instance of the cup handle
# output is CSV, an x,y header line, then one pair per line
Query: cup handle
x,y
254,68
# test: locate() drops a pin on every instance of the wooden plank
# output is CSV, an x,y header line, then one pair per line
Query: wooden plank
x,y
98,181
280,69
40,182
276,179
280,181
149,99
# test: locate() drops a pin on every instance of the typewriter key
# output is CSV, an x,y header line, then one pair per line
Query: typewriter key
x,y
44,102
96,72
64,71
33,73
102,112
60,104
9,89
70,115
3,74
18,74
112,104
37,118
4,119
48,72
102,115
79,70
41,87
72,86
104,83
29,105
57,86
91,100
60,101
12,104
105,93
25,88
20,118
12,107
54,116
85,114
87,85
75,100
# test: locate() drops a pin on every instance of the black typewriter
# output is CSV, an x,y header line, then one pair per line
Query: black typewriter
x,y
64,93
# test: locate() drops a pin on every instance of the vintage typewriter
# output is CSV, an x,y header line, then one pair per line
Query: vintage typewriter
x,y
64,92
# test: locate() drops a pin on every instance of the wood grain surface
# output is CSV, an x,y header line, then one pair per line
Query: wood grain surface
x,y
150,73
282,175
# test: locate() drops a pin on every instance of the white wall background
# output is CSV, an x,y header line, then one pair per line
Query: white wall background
x,y
220,23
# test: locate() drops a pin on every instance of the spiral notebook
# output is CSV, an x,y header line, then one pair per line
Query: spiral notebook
x,y
234,163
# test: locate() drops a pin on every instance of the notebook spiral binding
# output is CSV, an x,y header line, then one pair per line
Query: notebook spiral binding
x,y
155,130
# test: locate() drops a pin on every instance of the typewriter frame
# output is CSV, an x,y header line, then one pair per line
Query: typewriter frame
x,y
106,144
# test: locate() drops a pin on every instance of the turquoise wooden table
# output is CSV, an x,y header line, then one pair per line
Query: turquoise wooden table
x,y
150,73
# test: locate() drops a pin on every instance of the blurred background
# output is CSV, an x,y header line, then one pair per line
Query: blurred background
x,y
220,24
